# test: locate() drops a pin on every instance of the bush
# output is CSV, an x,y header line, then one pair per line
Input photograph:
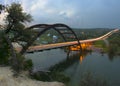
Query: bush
x,y
4,51
60,77
22,63
41,75
28,64
50,76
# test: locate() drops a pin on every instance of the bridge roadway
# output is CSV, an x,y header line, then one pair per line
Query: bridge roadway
x,y
64,44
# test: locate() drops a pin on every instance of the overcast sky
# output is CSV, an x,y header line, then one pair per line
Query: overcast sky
x,y
75,13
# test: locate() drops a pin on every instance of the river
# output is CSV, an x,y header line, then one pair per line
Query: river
x,y
100,65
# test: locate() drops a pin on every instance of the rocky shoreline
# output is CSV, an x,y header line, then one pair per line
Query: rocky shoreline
x,y
7,79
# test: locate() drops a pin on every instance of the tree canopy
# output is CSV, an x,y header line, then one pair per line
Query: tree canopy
x,y
16,17
15,23
14,30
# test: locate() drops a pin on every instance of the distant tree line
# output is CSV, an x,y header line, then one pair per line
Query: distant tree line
x,y
114,45
91,33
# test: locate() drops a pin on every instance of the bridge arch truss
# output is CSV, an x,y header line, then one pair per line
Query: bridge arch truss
x,y
63,30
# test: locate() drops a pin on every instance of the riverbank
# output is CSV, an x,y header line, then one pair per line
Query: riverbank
x,y
96,49
7,79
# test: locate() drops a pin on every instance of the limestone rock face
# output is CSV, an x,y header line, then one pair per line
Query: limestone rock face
x,y
7,79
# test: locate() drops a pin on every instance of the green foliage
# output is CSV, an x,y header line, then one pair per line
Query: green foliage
x,y
86,33
60,77
42,76
114,47
45,39
19,63
4,50
16,14
89,80
51,76
15,24
28,64
22,63
15,30
15,21
100,44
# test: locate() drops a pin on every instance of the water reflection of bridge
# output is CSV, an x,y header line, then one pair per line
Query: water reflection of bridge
x,y
61,66
69,36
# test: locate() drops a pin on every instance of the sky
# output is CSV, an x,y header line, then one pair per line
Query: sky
x,y
74,13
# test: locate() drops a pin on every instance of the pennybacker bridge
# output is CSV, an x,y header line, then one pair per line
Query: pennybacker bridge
x,y
65,32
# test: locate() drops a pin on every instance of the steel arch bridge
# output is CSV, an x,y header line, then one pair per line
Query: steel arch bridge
x,y
63,30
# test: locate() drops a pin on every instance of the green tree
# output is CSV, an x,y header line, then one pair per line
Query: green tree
x,y
15,21
14,31
16,17
4,50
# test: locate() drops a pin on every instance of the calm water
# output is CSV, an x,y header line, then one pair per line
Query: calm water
x,y
101,65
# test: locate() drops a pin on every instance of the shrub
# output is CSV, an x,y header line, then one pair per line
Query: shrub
x,y
60,77
4,51
22,63
28,64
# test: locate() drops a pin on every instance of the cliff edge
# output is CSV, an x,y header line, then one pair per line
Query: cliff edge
x,y
7,79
